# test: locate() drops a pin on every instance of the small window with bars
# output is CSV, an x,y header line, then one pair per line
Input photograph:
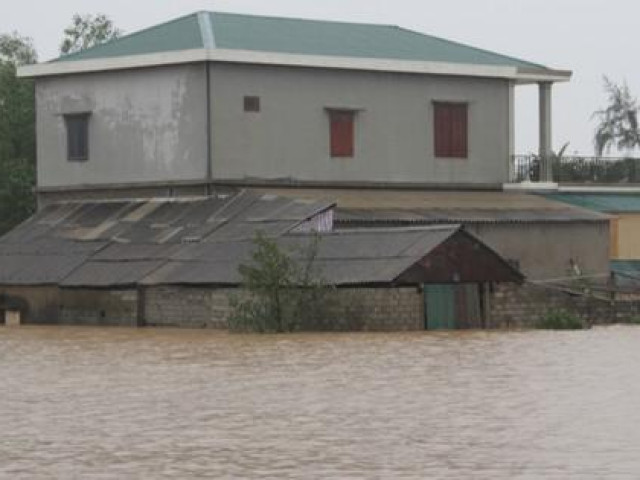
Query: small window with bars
x,y
450,122
77,125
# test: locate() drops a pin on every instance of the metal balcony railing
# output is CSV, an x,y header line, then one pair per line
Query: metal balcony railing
x,y
578,169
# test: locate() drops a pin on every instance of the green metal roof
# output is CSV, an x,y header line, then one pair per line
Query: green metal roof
x,y
295,36
601,202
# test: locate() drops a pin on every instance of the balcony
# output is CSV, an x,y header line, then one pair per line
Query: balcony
x,y
578,170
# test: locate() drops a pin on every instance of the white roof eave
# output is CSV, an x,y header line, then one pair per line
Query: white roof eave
x,y
285,59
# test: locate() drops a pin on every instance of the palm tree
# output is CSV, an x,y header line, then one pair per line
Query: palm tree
x,y
618,125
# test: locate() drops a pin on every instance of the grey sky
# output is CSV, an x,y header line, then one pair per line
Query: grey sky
x,y
590,37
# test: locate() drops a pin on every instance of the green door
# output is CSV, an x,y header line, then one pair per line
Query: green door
x,y
440,307
452,306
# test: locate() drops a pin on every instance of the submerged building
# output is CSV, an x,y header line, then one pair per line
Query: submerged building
x,y
405,135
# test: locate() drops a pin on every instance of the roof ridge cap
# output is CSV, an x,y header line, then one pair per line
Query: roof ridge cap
x,y
206,30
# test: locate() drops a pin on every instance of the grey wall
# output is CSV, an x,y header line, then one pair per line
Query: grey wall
x,y
544,250
289,137
147,125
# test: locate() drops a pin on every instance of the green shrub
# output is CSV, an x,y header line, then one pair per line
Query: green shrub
x,y
280,289
559,319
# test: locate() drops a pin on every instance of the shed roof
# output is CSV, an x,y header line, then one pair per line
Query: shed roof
x,y
381,207
345,257
104,243
228,32
204,241
600,202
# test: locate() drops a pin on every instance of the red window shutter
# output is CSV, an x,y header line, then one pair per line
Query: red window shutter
x,y
342,129
450,130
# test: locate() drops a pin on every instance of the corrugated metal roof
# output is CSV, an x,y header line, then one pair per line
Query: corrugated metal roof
x,y
343,257
600,202
201,241
112,243
373,206
296,36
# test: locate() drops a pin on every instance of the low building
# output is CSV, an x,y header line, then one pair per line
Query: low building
x,y
175,263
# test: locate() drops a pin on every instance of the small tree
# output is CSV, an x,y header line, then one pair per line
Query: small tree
x,y
281,288
618,122
87,31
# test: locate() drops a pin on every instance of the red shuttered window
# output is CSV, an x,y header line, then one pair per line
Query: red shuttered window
x,y
342,132
450,129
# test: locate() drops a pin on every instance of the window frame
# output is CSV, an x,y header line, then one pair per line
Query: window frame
x,y
74,129
453,142
336,150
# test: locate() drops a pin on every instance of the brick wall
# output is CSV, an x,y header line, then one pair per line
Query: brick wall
x,y
343,309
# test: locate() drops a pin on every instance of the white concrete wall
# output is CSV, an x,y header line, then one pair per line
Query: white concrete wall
x,y
146,125
289,137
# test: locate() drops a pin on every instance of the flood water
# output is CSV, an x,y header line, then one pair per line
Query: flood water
x,y
123,403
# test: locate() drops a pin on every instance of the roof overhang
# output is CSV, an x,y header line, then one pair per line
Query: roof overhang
x,y
519,75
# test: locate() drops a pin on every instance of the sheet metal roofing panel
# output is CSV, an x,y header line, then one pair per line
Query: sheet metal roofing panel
x,y
135,251
37,269
110,274
600,202
42,262
195,273
362,271
351,216
394,206
371,256
138,234
372,243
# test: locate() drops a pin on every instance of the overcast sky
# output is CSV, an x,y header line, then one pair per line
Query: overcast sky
x,y
592,38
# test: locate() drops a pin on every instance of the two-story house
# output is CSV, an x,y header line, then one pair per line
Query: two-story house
x,y
397,127
216,97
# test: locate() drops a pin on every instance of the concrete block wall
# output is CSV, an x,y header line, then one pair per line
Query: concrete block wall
x,y
195,307
372,309
513,306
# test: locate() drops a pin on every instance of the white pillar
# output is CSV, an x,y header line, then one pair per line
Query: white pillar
x,y
544,150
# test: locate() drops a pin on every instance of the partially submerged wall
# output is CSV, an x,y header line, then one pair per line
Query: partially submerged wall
x,y
373,309
37,305
98,307
514,306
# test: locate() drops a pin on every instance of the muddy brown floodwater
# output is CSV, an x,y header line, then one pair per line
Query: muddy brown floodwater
x,y
119,403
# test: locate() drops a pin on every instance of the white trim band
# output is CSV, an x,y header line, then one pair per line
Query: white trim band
x,y
268,58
